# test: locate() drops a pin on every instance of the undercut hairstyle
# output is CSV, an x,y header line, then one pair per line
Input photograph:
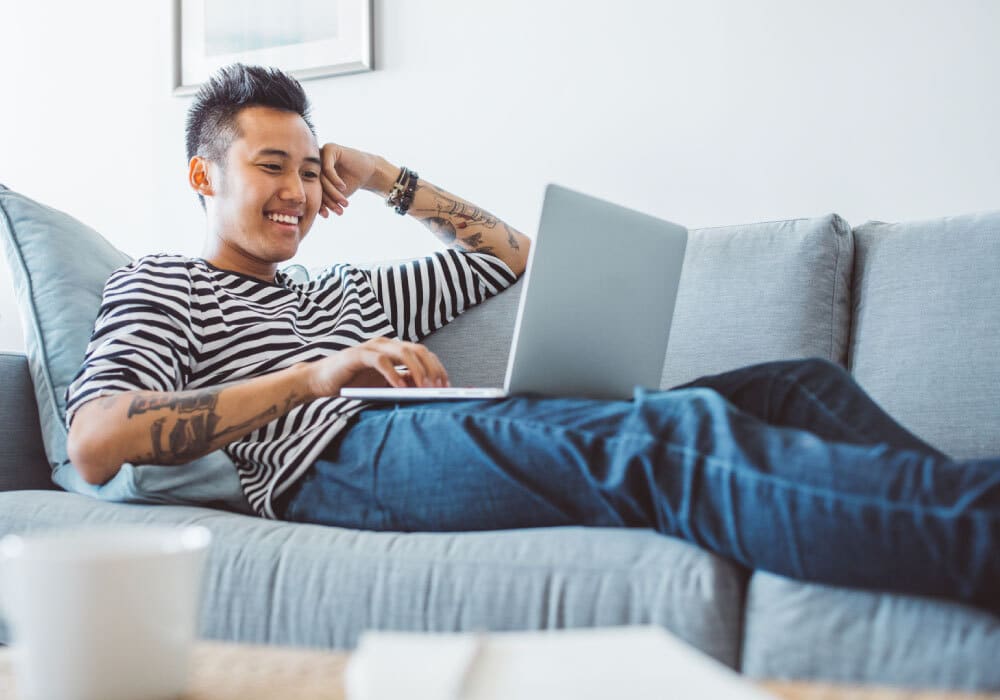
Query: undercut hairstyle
x,y
211,120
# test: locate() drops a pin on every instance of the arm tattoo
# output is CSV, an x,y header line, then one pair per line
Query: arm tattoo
x,y
195,401
442,228
448,214
475,243
195,429
511,240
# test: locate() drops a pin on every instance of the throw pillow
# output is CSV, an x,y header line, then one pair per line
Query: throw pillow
x,y
752,293
59,266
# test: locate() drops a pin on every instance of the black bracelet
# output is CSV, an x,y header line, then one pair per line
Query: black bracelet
x,y
403,190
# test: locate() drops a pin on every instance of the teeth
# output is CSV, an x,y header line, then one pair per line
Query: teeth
x,y
283,218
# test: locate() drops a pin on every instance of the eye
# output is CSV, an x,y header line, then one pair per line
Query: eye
x,y
273,167
311,175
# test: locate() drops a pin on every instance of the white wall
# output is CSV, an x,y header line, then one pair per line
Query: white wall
x,y
709,112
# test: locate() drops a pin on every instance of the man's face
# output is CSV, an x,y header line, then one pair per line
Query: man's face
x,y
266,197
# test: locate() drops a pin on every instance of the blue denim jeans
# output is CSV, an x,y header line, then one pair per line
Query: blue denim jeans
x,y
787,467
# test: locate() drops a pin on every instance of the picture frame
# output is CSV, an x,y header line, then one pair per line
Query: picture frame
x,y
306,38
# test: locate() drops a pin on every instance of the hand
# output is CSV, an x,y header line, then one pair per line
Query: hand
x,y
373,363
344,171
369,377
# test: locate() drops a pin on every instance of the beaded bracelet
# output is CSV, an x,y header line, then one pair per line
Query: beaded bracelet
x,y
401,194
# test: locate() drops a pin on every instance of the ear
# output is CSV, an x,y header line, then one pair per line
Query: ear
x,y
198,176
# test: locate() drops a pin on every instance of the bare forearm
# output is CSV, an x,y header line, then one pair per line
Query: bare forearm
x,y
144,427
458,223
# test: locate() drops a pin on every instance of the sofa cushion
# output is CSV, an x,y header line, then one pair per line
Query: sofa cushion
x,y
309,585
760,292
476,345
926,314
808,631
750,293
59,267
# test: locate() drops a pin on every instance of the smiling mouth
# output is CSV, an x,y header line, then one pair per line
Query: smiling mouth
x,y
286,219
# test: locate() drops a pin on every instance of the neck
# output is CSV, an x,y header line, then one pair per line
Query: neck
x,y
226,257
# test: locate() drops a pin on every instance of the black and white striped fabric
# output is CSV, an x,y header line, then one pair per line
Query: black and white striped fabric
x,y
171,323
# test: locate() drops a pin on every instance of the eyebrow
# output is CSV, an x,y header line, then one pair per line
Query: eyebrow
x,y
285,154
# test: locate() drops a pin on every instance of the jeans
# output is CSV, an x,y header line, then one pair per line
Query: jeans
x,y
788,467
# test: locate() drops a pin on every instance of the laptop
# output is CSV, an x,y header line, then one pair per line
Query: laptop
x,y
596,306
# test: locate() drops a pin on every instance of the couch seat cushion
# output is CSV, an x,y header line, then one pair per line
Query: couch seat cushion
x,y
292,584
808,631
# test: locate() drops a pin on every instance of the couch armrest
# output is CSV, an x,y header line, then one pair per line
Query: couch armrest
x,y
23,464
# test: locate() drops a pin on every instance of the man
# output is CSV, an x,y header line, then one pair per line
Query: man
x,y
787,466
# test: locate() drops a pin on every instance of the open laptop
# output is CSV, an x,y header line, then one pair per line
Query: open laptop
x,y
596,306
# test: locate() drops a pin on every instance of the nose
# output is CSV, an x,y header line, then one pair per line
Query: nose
x,y
292,188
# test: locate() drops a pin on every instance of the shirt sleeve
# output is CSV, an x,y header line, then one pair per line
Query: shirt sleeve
x,y
141,338
422,295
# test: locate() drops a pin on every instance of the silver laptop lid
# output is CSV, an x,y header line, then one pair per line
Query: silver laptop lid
x,y
598,300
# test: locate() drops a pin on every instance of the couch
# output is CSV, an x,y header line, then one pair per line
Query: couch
x,y
910,309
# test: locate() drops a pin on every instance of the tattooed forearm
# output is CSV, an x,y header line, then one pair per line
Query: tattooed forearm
x,y
192,437
461,225
194,429
444,205
200,401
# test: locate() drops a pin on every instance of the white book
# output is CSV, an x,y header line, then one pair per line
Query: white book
x,y
636,663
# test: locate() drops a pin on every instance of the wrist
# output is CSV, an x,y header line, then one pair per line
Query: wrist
x,y
301,380
384,176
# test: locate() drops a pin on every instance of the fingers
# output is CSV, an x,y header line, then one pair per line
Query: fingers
x,y
426,368
414,363
423,366
334,186
333,199
437,369
386,367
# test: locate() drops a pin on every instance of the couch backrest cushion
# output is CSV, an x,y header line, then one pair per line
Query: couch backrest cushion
x,y
751,293
761,292
22,460
474,348
925,341
59,266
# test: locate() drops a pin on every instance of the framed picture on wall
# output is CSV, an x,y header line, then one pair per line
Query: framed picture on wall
x,y
307,38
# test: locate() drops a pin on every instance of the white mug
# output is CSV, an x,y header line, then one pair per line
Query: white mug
x,y
105,613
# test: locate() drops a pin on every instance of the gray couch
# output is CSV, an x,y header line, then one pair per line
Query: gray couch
x,y
910,309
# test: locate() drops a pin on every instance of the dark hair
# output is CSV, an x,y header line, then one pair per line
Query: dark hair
x,y
211,120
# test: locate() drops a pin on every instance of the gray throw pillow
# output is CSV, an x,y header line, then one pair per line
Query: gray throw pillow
x,y
59,267
761,292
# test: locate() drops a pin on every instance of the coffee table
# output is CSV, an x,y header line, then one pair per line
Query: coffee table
x,y
224,671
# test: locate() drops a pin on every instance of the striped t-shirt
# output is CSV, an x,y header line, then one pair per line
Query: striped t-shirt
x,y
172,323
